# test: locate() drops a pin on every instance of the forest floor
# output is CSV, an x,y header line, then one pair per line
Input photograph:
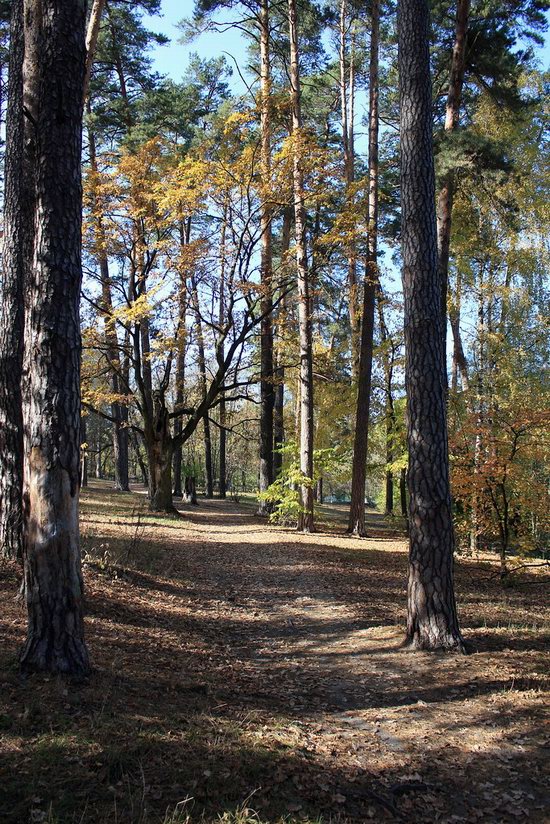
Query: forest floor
x,y
244,673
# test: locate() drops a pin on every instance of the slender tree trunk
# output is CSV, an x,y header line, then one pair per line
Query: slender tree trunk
x,y
356,524
388,358
222,489
53,579
305,522
92,33
112,349
208,475
347,147
452,116
83,452
185,236
278,412
267,389
432,621
17,222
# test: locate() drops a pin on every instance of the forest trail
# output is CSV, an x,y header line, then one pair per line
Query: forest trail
x,y
242,667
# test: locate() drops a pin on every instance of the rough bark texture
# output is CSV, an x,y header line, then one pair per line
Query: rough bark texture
x,y
12,303
267,389
52,569
160,452
452,115
356,523
305,522
432,619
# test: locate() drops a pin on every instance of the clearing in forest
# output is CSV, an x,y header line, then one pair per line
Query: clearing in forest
x,y
243,672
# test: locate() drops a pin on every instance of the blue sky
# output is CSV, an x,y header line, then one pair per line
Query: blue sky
x,y
172,59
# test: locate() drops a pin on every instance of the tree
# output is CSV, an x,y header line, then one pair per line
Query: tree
x,y
305,522
51,409
356,523
16,229
432,621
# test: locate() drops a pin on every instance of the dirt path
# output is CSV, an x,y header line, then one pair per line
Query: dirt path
x,y
241,661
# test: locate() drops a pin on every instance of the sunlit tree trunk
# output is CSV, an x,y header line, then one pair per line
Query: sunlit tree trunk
x,y
208,472
305,522
52,569
446,193
267,389
432,621
356,524
92,33
346,116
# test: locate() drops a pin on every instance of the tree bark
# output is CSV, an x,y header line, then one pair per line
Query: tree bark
x,y
17,221
356,524
278,412
305,521
432,621
267,389
208,474
51,412
160,452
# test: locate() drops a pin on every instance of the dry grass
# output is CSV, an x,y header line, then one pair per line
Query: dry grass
x,y
244,673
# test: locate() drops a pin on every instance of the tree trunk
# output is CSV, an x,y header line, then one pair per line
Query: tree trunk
x,y
278,412
452,115
267,389
190,490
305,521
347,147
17,222
112,349
208,475
83,452
356,524
52,569
160,452
92,33
432,621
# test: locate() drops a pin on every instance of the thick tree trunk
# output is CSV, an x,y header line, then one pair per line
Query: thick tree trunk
x,y
267,389
17,220
432,621
160,452
305,521
222,487
52,569
452,116
356,524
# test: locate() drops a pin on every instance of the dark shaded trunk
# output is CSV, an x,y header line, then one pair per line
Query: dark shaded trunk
x,y
160,452
222,488
52,569
432,621
356,524
17,222
134,440
190,490
403,495
305,520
